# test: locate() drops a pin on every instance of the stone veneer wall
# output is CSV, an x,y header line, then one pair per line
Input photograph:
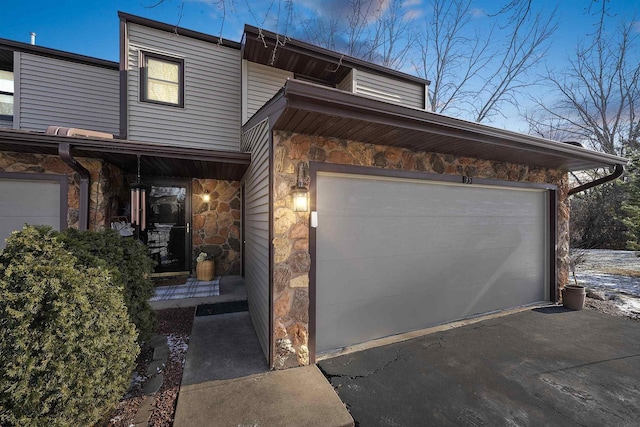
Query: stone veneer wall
x,y
216,225
106,181
291,229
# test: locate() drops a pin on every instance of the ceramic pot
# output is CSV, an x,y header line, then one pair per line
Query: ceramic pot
x,y
573,297
205,270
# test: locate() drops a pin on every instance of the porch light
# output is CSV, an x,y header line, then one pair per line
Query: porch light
x,y
300,192
206,197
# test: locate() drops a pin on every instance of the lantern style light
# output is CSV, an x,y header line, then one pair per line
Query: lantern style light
x,y
300,192
206,197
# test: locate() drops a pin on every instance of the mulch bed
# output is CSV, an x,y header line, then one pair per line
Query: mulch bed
x,y
176,324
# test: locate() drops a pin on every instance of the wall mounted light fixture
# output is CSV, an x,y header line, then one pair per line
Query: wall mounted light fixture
x,y
206,197
300,192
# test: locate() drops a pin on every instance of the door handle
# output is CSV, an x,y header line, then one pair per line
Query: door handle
x,y
188,224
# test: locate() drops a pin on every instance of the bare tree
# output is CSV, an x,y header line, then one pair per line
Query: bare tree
x,y
374,30
597,94
478,62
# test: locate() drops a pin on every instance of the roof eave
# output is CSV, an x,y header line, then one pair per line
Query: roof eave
x,y
302,96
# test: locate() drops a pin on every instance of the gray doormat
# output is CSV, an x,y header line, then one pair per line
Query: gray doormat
x,y
222,308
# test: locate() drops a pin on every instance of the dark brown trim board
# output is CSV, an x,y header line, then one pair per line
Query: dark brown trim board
x,y
315,167
271,249
60,179
303,106
318,52
176,30
124,77
56,54
553,245
242,230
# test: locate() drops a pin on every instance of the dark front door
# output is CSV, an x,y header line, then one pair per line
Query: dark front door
x,y
168,232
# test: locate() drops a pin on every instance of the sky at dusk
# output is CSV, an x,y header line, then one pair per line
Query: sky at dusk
x,y
90,27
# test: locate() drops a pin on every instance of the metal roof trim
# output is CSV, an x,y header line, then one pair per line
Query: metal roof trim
x,y
380,111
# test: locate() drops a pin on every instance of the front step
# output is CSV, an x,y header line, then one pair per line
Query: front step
x,y
170,279
222,308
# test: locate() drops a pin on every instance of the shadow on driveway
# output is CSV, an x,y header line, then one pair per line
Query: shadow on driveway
x,y
546,366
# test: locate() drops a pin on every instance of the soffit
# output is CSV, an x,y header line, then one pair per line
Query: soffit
x,y
279,51
316,110
155,159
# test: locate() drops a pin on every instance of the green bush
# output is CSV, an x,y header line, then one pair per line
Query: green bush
x,y
67,347
130,267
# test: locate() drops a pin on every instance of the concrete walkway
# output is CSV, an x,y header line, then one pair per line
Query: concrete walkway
x,y
226,382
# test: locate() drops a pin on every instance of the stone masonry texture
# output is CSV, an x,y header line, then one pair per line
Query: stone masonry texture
x,y
108,183
291,229
216,224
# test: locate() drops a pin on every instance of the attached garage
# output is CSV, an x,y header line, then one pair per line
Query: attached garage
x,y
395,254
416,219
35,199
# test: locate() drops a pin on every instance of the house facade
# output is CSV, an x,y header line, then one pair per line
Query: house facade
x,y
414,218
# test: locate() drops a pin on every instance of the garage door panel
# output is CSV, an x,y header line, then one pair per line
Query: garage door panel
x,y
370,317
355,199
399,255
436,272
380,238
34,202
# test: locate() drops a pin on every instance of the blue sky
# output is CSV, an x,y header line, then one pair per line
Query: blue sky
x,y
90,27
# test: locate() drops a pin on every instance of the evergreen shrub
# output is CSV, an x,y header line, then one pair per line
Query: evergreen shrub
x,y
67,347
130,266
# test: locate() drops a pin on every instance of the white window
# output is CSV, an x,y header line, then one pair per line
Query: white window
x,y
162,80
6,93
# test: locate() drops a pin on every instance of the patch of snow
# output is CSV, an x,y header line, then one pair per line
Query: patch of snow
x,y
177,348
624,291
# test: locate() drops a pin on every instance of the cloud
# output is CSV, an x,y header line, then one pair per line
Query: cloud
x,y
412,15
411,3
478,13
370,9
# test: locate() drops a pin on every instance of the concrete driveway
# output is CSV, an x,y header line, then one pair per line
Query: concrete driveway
x,y
547,366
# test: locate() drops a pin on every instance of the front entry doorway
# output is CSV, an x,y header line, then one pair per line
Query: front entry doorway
x,y
168,232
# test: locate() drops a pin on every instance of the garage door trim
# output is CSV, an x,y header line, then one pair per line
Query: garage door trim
x,y
316,167
59,179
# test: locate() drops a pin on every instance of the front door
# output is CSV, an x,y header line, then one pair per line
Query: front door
x,y
168,218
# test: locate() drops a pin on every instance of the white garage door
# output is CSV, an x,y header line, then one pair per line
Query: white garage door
x,y
24,201
395,255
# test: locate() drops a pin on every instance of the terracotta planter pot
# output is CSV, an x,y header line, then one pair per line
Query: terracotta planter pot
x,y
205,270
573,297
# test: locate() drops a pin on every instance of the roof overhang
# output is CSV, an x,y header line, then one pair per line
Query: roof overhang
x,y
268,48
155,159
316,110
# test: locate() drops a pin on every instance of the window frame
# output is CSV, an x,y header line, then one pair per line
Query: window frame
x,y
144,78
9,117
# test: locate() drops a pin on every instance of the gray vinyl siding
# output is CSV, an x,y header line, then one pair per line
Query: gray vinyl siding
x,y
256,230
211,114
347,83
262,83
64,93
410,94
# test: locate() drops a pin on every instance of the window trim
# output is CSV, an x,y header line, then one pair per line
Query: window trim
x,y
143,78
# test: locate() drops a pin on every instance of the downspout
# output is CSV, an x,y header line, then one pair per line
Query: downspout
x,y
64,150
616,174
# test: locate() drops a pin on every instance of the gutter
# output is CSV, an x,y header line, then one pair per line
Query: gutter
x,y
64,150
616,174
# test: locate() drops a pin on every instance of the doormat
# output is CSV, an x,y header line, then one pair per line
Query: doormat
x,y
192,289
222,308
